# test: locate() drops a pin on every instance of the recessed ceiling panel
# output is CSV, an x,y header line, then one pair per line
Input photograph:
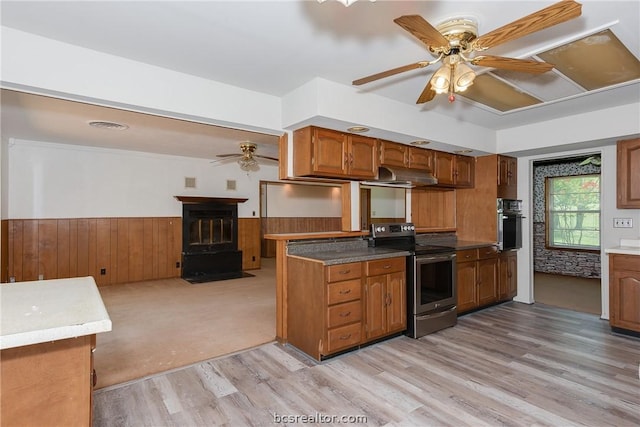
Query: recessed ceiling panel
x,y
547,86
497,94
596,61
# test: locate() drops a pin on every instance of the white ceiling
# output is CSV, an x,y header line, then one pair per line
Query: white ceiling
x,y
276,46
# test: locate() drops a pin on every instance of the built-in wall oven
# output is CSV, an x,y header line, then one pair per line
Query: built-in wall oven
x,y
509,217
431,278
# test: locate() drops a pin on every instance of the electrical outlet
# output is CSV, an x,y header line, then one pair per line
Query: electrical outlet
x,y
103,271
40,276
623,222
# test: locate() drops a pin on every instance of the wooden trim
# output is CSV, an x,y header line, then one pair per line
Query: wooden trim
x,y
283,156
281,291
346,206
219,200
4,251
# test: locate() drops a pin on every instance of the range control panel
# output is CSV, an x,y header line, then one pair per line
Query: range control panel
x,y
393,229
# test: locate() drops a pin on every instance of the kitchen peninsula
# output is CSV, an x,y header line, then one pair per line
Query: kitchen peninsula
x,y
47,338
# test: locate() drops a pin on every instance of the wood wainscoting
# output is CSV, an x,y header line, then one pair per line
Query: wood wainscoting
x,y
112,250
278,225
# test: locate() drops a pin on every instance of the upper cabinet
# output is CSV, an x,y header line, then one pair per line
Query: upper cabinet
x,y
453,170
401,155
507,177
330,153
628,165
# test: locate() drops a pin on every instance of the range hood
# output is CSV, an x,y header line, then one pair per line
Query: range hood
x,y
391,176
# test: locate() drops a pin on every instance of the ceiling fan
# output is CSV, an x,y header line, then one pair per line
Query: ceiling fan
x,y
247,158
454,40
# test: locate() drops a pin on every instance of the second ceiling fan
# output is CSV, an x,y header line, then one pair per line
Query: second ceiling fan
x,y
454,40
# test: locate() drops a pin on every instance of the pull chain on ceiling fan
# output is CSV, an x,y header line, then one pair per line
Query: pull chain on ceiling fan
x,y
454,41
247,158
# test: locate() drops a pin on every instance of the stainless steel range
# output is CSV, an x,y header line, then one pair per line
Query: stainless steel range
x,y
431,278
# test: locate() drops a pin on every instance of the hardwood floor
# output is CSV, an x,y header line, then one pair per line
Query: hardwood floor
x,y
513,364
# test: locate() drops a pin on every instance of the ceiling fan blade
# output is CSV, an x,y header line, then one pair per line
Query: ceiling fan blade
x,y
266,157
422,30
388,73
513,64
427,94
544,18
229,155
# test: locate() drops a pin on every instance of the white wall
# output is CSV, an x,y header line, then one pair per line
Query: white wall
x,y
387,202
609,236
298,200
67,181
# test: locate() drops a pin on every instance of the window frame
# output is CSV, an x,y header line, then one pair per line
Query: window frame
x,y
548,215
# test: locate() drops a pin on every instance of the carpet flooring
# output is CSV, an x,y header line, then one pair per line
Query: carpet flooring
x,y
574,293
161,325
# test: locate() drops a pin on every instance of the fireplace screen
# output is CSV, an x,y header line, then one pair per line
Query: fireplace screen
x,y
210,231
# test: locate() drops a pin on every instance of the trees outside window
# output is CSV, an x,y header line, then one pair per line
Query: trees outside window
x,y
573,212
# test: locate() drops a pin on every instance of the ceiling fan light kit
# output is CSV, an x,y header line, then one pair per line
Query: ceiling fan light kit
x,y
454,39
247,159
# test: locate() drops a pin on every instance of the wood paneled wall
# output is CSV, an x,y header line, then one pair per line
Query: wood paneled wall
x,y
125,249
128,249
295,225
434,209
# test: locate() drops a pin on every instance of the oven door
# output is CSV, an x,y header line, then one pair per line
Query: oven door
x,y
434,282
511,231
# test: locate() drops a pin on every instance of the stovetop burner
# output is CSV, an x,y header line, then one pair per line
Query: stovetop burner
x,y
402,236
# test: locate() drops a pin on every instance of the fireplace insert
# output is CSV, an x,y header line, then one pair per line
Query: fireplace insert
x,y
210,242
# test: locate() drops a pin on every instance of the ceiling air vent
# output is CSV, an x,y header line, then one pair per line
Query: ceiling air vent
x,y
108,125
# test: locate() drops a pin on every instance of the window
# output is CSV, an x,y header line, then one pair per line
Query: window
x,y
573,212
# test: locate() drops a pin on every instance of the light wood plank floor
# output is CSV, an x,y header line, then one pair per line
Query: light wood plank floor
x,y
513,364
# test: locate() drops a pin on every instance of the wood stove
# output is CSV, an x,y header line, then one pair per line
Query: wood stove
x,y
210,239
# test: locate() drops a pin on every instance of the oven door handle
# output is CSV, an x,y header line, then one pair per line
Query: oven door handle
x,y
435,258
435,316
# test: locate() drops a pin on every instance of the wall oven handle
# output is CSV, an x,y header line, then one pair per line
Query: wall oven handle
x,y
435,316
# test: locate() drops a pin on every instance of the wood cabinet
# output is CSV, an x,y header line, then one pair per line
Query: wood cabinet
x,y
402,155
477,277
333,308
508,282
507,177
628,174
329,153
385,298
48,384
624,291
454,170
433,209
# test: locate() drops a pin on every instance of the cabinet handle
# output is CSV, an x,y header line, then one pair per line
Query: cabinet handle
x,y
386,266
351,158
387,300
345,337
345,271
347,314
344,291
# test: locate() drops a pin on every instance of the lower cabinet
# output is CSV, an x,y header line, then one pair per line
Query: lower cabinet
x,y
624,291
333,308
478,278
508,283
385,298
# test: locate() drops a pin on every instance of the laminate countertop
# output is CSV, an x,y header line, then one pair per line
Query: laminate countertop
x,y
627,247
49,310
351,255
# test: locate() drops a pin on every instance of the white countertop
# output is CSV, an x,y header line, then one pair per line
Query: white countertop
x,y
627,247
49,310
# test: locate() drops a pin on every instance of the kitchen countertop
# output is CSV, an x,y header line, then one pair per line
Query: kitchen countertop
x,y
471,244
351,255
49,310
627,247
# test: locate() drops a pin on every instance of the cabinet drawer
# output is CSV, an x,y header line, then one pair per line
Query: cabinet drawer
x,y
487,252
467,255
348,290
625,262
342,314
339,272
384,266
343,337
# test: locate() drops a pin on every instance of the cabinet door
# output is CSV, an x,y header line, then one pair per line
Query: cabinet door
x,y
329,152
393,154
362,157
445,168
628,176
420,158
396,302
507,177
507,283
487,281
625,300
466,283
464,171
375,307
